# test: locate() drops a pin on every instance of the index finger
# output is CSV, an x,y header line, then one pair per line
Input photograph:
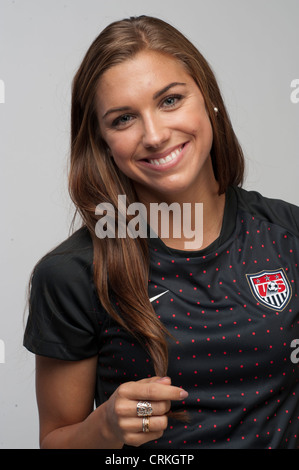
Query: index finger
x,y
152,391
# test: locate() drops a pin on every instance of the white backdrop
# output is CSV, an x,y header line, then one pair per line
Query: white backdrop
x,y
252,46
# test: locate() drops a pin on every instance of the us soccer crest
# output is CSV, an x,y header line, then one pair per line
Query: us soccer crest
x,y
271,288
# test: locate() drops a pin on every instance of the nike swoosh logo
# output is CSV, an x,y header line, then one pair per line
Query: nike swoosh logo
x,y
157,296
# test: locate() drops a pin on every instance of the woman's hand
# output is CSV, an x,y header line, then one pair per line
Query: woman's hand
x,y
65,396
121,409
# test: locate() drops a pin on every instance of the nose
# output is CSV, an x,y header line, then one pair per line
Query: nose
x,y
155,132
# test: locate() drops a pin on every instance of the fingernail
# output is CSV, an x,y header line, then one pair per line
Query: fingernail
x,y
184,394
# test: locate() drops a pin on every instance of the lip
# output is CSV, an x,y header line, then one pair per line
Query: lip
x,y
158,156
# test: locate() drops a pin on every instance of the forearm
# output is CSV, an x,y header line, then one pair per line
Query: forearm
x,y
92,433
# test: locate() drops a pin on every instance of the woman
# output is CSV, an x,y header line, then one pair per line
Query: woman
x,y
149,328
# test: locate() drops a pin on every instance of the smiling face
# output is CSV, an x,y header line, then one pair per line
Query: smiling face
x,y
153,118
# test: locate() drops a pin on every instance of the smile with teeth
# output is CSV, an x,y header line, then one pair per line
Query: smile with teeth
x,y
168,158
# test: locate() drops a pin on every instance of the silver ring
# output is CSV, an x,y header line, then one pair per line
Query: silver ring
x,y
145,424
144,408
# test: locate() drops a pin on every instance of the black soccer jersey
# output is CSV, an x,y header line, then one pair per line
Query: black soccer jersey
x,y
232,308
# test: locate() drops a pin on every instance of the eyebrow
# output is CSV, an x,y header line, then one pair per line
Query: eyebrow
x,y
155,96
116,110
161,92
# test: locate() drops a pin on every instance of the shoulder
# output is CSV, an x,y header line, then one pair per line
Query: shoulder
x,y
63,306
275,211
71,261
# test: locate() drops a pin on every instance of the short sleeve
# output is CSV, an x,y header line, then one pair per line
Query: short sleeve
x,y
62,309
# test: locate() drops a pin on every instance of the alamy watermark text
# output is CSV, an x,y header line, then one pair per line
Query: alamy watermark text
x,y
2,92
295,93
295,353
2,352
176,220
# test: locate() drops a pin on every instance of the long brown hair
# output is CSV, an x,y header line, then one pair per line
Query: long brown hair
x,y
121,264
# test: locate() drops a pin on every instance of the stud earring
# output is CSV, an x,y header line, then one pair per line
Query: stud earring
x,y
216,110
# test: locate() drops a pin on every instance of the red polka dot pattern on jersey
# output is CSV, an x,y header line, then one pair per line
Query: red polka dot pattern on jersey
x,y
230,352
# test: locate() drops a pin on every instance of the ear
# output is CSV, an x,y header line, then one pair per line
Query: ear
x,y
109,153
107,149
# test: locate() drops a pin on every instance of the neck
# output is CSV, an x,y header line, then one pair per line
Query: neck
x,y
201,224
188,221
